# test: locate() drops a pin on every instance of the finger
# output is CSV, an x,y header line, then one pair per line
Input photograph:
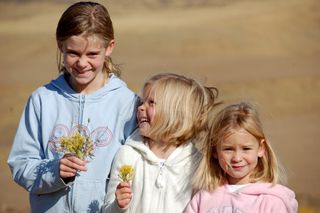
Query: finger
x,y
123,191
66,168
73,164
124,184
67,174
123,203
66,171
75,159
123,198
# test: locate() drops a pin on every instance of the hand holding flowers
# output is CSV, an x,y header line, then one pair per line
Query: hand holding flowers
x,y
123,194
76,148
123,191
69,166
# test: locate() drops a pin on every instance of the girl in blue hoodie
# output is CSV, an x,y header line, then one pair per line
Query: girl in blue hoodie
x,y
87,111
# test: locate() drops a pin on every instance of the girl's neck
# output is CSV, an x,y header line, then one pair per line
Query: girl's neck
x,y
161,149
87,88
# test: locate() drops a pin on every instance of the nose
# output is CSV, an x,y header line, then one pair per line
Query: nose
x,y
236,157
141,107
82,62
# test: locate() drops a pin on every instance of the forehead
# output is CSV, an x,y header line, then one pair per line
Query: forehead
x,y
147,91
81,41
239,136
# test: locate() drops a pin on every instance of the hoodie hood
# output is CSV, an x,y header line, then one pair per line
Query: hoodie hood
x,y
179,155
280,191
65,89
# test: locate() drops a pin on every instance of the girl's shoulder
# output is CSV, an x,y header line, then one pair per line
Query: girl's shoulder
x,y
207,196
277,194
266,188
53,87
128,154
131,144
43,92
115,83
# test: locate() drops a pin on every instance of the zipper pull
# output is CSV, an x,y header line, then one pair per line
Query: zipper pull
x,y
160,179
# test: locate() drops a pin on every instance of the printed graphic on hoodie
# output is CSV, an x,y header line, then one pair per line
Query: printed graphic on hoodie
x,y
224,209
100,136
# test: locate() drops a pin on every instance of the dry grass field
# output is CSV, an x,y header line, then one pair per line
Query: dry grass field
x,y
267,52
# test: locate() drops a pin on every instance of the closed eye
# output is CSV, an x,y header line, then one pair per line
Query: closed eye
x,y
72,53
92,54
247,148
227,149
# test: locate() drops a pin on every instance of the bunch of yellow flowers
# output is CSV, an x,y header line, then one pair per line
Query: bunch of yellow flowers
x,y
126,173
77,145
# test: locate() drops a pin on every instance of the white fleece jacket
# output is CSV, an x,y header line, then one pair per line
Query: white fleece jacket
x,y
157,188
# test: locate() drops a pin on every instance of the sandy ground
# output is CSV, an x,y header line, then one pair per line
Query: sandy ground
x,y
266,52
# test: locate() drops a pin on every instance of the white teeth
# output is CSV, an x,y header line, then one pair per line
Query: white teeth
x,y
143,120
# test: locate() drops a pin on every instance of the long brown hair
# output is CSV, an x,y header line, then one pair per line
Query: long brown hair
x,y
86,18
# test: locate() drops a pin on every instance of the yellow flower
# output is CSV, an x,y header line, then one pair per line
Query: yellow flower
x,y
126,173
78,145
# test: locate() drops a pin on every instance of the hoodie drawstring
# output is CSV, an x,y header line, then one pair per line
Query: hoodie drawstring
x,y
81,109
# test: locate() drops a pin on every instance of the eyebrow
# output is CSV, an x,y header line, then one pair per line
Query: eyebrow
x,y
74,49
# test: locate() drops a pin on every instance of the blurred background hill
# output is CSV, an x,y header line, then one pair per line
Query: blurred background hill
x,y
267,52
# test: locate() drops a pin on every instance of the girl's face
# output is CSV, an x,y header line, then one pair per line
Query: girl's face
x,y
146,111
238,155
84,59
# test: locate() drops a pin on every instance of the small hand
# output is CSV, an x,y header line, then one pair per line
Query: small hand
x,y
123,194
70,165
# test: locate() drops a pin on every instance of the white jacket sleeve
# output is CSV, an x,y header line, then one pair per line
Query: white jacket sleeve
x,y
110,204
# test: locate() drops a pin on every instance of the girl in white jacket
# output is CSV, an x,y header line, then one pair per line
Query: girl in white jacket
x,y
171,116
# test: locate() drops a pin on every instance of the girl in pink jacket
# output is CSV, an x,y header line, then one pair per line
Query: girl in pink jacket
x,y
239,172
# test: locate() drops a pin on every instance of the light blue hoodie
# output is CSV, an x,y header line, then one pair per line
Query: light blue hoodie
x,y
54,110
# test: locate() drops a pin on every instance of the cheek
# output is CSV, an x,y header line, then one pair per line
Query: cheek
x,y
151,114
223,161
253,158
98,62
69,61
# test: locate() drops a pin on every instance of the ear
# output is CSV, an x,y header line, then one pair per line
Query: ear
x,y
110,47
262,148
214,153
60,45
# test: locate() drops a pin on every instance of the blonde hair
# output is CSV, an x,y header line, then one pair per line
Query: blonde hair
x,y
86,18
209,174
182,106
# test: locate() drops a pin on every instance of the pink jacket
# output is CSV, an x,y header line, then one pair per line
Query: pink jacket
x,y
257,197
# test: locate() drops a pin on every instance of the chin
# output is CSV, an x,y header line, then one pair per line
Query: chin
x,y
143,132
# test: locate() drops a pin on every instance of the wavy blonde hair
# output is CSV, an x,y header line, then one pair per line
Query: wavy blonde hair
x,y
209,174
182,106
86,18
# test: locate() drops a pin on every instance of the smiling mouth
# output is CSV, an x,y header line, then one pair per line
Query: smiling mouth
x,y
82,71
237,167
143,120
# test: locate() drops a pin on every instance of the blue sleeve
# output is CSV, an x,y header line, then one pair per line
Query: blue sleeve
x,y
27,160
